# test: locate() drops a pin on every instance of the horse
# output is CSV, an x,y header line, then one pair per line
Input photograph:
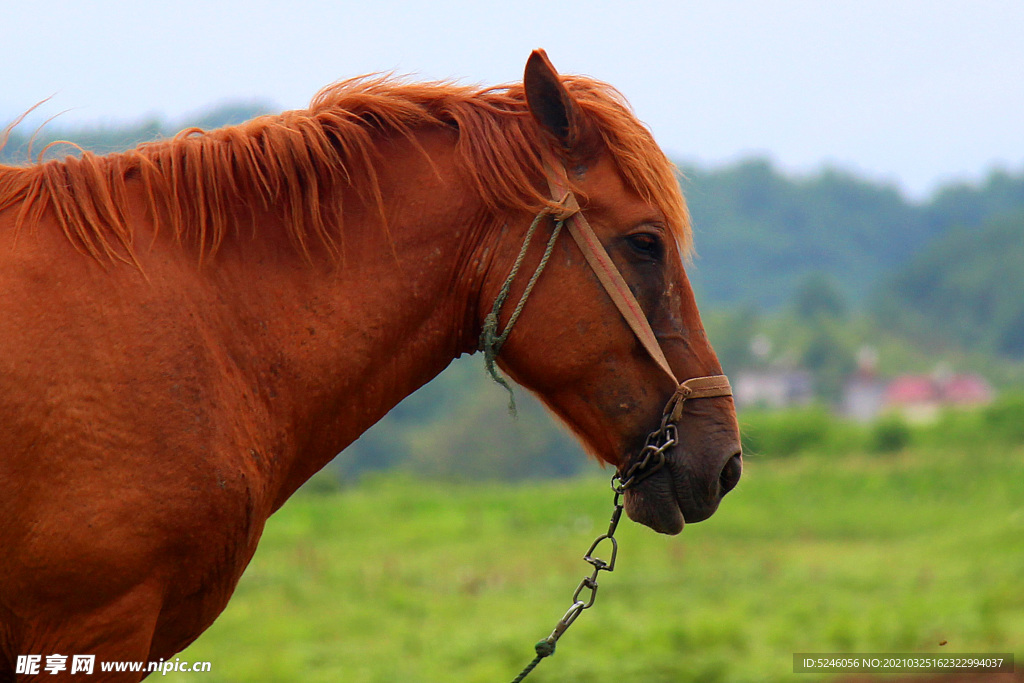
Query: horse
x,y
190,329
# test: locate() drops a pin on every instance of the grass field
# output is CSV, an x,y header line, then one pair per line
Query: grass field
x,y
398,580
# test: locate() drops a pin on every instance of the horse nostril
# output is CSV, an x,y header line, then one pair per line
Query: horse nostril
x,y
730,475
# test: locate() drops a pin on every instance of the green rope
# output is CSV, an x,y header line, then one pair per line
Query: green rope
x,y
490,340
544,648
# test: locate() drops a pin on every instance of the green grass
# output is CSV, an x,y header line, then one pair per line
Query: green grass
x,y
397,580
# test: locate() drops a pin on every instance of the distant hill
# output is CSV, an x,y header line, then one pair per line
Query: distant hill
x,y
967,287
759,233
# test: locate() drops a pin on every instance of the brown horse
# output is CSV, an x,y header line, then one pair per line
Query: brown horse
x,y
191,329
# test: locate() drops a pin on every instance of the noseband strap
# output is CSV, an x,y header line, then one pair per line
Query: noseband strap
x,y
697,387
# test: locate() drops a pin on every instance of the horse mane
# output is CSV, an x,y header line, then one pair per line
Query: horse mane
x,y
197,183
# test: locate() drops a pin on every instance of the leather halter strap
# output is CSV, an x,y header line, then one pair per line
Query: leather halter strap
x,y
612,281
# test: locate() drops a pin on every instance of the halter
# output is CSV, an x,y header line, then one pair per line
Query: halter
x,y
567,212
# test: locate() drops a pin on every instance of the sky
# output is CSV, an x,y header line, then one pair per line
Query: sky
x,y
910,92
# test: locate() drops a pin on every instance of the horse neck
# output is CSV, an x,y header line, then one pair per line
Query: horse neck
x,y
333,349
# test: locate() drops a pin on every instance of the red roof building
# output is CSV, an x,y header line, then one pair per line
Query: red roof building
x,y
920,397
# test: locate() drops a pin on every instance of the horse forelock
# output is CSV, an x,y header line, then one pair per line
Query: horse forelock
x,y
296,163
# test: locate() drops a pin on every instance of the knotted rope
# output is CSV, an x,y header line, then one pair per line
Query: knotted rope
x,y
491,340
544,648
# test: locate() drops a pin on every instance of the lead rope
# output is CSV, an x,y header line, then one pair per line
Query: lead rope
x,y
651,459
546,647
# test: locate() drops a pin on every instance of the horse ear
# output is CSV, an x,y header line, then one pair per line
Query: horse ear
x,y
550,103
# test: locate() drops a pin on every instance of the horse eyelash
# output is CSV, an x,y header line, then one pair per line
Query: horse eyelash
x,y
648,244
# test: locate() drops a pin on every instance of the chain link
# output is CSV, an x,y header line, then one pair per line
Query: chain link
x,y
651,458
588,586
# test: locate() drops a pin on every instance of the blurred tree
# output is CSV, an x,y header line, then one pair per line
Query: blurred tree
x,y
817,296
758,232
964,290
731,331
458,427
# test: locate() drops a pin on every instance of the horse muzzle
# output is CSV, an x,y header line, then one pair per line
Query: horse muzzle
x,y
687,488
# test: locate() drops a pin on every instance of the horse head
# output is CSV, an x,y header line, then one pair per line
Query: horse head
x,y
574,348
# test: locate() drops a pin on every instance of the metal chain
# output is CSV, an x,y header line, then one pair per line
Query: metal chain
x,y
651,459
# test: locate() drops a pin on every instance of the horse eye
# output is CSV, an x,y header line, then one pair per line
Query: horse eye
x,y
646,244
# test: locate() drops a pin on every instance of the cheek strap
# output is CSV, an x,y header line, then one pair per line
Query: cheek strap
x,y
601,263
